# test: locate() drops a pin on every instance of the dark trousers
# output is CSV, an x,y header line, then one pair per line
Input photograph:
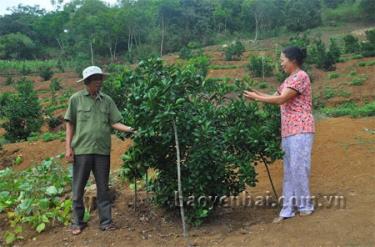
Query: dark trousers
x,y
99,165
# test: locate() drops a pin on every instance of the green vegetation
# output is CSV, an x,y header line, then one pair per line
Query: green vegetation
x,y
358,80
172,25
366,64
260,66
341,11
55,85
35,198
234,51
45,73
317,53
22,112
24,67
351,109
333,75
9,81
47,136
220,139
227,66
329,92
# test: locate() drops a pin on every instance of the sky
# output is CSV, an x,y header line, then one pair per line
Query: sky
x,y
44,4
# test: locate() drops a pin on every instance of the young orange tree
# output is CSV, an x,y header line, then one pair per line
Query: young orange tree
x,y
221,136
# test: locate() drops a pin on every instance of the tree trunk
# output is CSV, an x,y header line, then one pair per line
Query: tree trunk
x,y
256,27
61,45
110,51
180,195
162,36
114,50
92,53
129,41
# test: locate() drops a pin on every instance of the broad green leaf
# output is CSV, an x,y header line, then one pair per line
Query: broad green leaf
x,y
41,227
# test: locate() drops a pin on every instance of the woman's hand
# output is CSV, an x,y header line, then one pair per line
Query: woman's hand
x,y
250,95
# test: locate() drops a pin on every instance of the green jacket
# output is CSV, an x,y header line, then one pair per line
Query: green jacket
x,y
92,120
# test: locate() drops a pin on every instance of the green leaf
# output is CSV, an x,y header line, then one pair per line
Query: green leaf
x,y
86,216
41,227
18,229
51,190
10,237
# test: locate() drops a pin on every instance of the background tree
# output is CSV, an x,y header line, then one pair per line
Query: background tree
x,y
301,15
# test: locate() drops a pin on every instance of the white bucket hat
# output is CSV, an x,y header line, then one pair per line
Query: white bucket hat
x,y
91,70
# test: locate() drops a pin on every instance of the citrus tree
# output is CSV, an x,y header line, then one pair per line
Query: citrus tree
x,y
22,112
221,136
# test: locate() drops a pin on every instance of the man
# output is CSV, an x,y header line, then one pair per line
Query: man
x,y
89,118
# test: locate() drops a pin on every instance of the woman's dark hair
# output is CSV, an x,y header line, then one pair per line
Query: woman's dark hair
x,y
294,53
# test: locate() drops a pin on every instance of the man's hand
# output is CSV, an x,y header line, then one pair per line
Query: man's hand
x,y
69,154
123,128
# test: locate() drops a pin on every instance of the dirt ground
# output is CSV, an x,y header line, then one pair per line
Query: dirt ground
x,y
33,153
343,165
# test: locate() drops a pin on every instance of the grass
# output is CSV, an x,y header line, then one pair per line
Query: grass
x,y
350,109
353,73
262,85
357,56
343,59
333,75
3,140
358,80
366,64
53,108
329,92
219,79
228,66
47,137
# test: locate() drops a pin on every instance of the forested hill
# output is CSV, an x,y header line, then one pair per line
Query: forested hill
x,y
84,29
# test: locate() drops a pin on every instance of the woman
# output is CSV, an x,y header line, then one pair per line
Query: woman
x,y
297,131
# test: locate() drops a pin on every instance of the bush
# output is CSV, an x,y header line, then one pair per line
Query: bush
x,y
201,64
351,44
334,50
260,66
333,75
55,85
22,112
322,58
9,81
60,65
53,122
45,73
368,47
16,46
25,70
5,98
358,80
234,51
220,140
185,53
